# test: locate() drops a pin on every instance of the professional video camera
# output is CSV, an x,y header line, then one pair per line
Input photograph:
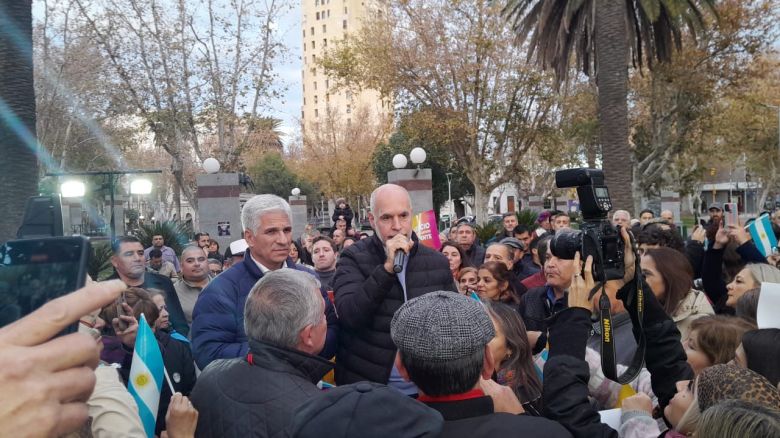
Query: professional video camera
x,y
597,237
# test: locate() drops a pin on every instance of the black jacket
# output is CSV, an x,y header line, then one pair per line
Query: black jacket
x,y
475,254
366,298
346,212
566,373
236,398
475,417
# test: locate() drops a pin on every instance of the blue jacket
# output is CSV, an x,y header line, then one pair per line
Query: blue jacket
x,y
218,317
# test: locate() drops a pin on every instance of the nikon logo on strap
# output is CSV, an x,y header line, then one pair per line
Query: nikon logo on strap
x,y
607,333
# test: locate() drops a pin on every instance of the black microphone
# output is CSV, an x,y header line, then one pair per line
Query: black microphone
x,y
398,260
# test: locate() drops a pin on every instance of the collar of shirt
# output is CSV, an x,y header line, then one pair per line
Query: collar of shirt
x,y
262,267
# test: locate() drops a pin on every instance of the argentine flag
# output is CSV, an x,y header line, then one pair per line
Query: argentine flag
x,y
763,236
146,376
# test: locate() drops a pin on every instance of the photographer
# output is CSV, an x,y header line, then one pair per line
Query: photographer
x,y
566,372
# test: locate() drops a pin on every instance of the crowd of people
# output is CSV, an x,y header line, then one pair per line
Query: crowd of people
x,y
332,334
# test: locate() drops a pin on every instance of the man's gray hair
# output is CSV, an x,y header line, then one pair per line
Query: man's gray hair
x,y
257,206
280,305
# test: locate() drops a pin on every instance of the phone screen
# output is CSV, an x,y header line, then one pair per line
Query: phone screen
x,y
36,271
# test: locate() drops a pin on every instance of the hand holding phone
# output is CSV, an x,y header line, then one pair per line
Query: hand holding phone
x,y
126,326
730,214
120,312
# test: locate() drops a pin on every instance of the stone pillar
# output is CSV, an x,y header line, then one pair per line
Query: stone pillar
x,y
219,208
671,201
299,215
119,214
419,185
536,203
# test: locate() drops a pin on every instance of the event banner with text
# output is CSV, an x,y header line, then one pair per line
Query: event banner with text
x,y
424,225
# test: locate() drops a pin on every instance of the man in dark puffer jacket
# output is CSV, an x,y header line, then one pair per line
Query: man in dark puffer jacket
x,y
258,394
368,292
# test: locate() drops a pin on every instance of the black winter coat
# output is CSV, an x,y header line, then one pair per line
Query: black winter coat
x,y
346,212
566,373
475,417
236,398
367,297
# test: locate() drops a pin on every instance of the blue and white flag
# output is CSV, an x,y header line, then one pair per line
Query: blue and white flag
x,y
763,236
146,376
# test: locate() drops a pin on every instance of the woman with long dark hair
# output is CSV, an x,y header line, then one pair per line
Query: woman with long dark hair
x,y
512,354
456,257
670,276
494,284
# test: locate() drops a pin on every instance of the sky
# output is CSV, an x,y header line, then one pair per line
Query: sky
x,y
288,106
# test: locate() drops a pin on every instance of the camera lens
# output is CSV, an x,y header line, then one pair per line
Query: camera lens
x,y
566,243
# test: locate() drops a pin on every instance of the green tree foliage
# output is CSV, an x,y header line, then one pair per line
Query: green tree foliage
x,y
176,235
271,175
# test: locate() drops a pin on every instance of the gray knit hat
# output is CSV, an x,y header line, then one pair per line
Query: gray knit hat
x,y
441,326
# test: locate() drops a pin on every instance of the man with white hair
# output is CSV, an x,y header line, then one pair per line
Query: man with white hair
x,y
369,288
217,320
258,394
622,218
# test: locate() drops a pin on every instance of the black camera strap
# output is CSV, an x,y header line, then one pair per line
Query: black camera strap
x,y
608,361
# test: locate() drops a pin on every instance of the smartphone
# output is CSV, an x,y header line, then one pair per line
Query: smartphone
x,y
730,214
35,271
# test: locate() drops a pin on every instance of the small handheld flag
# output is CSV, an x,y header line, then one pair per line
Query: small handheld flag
x,y
146,376
763,236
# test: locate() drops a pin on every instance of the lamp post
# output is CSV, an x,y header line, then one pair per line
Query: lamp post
x,y
69,188
449,198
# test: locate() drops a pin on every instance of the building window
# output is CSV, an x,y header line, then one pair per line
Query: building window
x,y
348,95
316,2
324,29
315,86
327,97
304,47
325,42
304,101
344,24
349,109
316,112
326,84
304,33
345,9
312,31
304,87
317,15
313,45
315,99
328,13
302,113
313,58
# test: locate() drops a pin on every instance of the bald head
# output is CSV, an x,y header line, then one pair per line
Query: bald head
x,y
668,216
391,211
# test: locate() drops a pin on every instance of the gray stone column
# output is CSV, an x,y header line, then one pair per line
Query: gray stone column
x,y
419,185
299,214
219,208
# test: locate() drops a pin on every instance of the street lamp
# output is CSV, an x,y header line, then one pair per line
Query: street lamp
x,y
399,161
449,197
211,165
417,155
296,191
73,189
140,187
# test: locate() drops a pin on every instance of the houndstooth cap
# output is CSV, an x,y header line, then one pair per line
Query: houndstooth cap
x,y
441,326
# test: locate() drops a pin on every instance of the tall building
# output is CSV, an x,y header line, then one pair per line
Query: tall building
x,y
324,22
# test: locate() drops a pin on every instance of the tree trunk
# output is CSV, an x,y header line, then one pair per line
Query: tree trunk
x,y
480,204
612,80
18,146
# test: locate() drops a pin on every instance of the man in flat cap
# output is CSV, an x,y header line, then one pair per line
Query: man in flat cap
x,y
442,341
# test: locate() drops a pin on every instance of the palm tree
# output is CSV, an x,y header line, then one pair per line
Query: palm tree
x,y
18,147
599,35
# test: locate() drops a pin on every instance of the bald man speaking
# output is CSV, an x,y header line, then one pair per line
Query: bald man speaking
x,y
368,291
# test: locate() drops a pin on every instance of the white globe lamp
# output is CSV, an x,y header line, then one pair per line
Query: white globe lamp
x,y
296,191
399,161
418,155
211,165
73,189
